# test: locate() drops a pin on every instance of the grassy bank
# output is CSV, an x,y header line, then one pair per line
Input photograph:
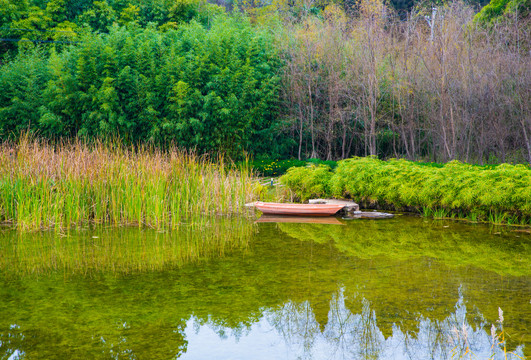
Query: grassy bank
x,y
500,195
44,186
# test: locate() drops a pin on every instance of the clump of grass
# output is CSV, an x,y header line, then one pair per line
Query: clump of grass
x,y
499,195
498,340
440,214
44,186
308,182
463,349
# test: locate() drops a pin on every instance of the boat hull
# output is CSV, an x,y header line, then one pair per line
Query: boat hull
x,y
298,209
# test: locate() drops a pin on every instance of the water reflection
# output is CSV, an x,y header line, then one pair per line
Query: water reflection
x,y
494,249
291,331
399,289
322,220
125,250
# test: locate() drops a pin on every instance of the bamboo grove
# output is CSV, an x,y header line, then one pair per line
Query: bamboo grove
x,y
284,80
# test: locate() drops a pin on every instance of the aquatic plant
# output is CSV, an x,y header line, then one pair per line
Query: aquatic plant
x,y
308,182
493,249
498,194
44,186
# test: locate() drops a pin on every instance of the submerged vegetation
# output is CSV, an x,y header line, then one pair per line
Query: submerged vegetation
x,y
44,186
500,195
408,237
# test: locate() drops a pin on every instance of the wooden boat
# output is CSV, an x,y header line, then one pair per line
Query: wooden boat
x,y
298,209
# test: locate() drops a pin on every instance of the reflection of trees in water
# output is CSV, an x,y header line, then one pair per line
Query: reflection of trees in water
x,y
120,341
10,341
220,328
132,343
351,332
408,238
296,323
356,336
353,336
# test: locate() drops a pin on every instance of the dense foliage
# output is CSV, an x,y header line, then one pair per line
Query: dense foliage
x,y
270,167
496,10
437,86
326,80
276,167
500,195
207,89
63,20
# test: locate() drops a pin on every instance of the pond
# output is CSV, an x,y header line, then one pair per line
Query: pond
x,y
231,288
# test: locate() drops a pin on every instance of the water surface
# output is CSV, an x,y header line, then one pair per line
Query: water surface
x,y
403,288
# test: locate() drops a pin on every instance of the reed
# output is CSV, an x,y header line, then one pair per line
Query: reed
x,y
59,186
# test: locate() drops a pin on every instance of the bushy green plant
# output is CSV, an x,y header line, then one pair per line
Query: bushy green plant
x,y
496,9
308,182
332,164
497,194
210,89
22,83
275,167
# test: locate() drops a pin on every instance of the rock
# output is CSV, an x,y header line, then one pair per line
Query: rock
x,y
368,215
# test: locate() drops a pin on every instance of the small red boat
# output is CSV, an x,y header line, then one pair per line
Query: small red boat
x,y
298,209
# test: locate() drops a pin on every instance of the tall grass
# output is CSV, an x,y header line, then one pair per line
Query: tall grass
x,y
44,186
500,195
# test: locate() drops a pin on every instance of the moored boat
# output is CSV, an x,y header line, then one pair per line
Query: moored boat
x,y
298,209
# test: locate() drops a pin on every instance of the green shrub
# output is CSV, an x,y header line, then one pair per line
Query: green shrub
x,y
272,167
499,194
332,164
308,182
210,88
